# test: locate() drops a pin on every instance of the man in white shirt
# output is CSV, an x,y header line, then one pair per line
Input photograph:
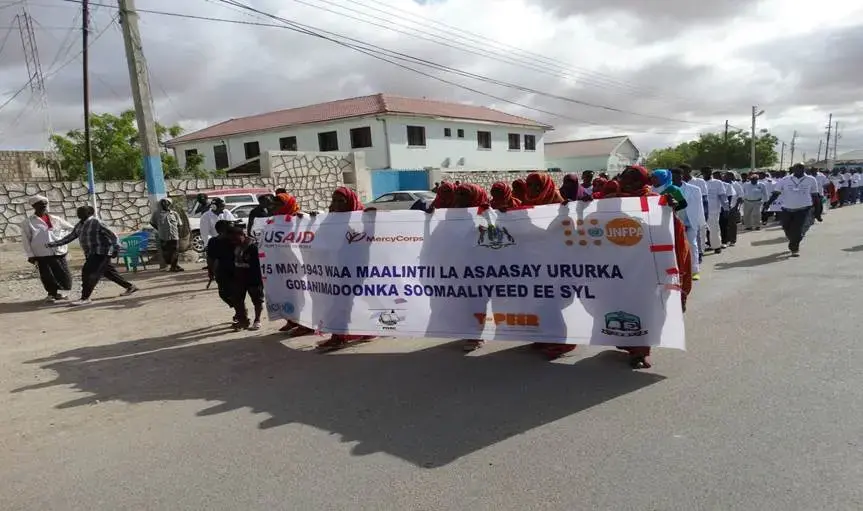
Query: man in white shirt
x,y
725,220
818,211
209,219
854,186
845,194
692,217
716,197
37,230
754,196
799,192
702,186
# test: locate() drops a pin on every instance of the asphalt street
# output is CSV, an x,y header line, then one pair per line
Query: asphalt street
x,y
147,403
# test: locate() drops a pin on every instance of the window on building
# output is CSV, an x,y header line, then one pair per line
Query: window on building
x,y
514,142
416,136
447,132
328,141
483,139
252,149
220,154
361,137
190,152
460,133
288,144
530,142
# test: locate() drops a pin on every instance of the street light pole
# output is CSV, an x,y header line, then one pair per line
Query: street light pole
x,y
755,114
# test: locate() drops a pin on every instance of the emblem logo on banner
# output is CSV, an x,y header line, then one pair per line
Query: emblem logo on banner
x,y
494,237
623,324
388,319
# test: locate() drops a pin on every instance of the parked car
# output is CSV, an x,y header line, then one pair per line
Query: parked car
x,y
403,199
235,198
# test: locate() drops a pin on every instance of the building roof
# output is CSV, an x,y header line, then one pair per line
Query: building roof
x,y
584,148
376,104
851,156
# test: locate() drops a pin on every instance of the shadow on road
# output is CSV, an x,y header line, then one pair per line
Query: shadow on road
x,y
858,248
755,261
429,407
773,241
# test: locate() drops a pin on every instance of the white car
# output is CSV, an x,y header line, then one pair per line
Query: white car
x,y
402,199
239,201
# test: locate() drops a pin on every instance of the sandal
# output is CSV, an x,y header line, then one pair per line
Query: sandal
x,y
472,345
639,362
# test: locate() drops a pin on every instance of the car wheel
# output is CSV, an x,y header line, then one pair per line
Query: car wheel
x,y
197,242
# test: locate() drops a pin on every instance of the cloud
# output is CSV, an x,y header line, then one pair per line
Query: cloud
x,y
706,63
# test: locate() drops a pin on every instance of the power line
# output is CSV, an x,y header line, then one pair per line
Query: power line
x,y
50,74
319,33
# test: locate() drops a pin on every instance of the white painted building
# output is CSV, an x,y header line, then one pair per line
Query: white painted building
x,y
608,154
395,133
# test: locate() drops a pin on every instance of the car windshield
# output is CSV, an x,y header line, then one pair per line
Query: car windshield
x,y
426,195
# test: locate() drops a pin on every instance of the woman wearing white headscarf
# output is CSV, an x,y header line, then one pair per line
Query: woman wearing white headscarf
x,y
37,230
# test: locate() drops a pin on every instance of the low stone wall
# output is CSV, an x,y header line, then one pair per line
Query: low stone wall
x,y
123,205
486,179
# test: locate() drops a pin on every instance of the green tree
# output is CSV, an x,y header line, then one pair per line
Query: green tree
x,y
116,149
711,149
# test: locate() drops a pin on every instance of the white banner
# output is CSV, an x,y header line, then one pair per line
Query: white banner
x,y
600,273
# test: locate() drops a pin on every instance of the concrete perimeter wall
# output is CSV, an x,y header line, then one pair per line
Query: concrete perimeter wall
x,y
123,205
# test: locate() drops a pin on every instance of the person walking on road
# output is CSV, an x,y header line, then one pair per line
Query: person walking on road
x,y
166,221
37,231
99,244
209,219
692,217
798,192
754,196
716,197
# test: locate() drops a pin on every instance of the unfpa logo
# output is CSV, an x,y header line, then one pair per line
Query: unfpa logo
x,y
625,232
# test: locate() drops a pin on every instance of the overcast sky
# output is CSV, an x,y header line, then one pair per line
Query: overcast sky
x,y
673,68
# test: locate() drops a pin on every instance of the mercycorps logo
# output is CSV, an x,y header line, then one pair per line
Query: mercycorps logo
x,y
356,237
299,238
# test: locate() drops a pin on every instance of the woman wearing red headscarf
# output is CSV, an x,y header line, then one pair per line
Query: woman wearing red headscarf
x,y
598,186
519,189
469,195
444,198
502,197
343,200
635,182
287,205
541,191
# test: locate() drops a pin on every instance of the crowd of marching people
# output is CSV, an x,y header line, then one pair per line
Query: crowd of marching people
x,y
710,206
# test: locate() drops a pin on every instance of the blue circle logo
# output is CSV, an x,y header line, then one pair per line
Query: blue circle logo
x,y
595,232
288,308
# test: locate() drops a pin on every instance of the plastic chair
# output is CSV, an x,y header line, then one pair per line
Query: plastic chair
x,y
133,248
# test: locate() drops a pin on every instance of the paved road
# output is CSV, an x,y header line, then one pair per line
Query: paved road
x,y
140,404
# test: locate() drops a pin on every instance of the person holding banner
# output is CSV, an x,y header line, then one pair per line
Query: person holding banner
x,y
286,205
519,189
502,198
635,182
444,198
541,191
344,200
571,189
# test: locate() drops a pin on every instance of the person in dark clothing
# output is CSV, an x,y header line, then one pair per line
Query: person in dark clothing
x,y
264,209
202,204
99,244
247,278
220,263
281,190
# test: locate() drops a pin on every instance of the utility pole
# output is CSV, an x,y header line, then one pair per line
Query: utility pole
x,y
820,142
725,147
827,149
835,140
143,103
755,114
793,141
782,157
85,60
